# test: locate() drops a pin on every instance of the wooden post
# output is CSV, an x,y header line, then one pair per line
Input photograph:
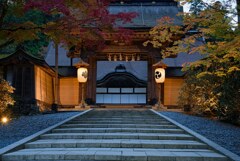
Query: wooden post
x,y
83,99
159,95
56,99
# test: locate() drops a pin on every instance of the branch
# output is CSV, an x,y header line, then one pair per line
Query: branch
x,y
22,28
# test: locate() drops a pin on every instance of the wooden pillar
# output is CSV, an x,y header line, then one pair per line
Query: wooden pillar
x,y
91,83
152,87
56,100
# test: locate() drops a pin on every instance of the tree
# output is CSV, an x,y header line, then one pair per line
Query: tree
x,y
211,32
72,23
60,20
77,24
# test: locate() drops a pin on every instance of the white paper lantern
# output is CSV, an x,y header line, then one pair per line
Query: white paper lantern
x,y
82,73
159,75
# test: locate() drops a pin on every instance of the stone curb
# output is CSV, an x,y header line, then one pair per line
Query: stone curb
x,y
215,146
20,144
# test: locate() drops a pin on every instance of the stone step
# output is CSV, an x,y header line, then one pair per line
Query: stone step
x,y
120,122
110,135
116,143
111,154
118,126
142,136
117,119
122,117
119,115
124,114
111,130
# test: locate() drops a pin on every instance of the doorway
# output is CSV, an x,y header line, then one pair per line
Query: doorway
x,y
120,82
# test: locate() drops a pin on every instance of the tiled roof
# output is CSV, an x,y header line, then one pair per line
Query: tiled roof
x,y
21,53
147,15
181,59
4,55
137,68
142,1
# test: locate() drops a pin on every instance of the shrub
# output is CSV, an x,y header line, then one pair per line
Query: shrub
x,y
210,95
198,94
229,99
6,98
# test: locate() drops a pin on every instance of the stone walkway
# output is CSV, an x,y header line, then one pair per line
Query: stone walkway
x,y
109,135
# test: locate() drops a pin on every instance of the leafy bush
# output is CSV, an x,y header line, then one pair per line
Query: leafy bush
x,y
210,95
229,99
198,94
6,98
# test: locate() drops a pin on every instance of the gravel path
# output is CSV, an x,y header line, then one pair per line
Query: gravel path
x,y
226,135
27,125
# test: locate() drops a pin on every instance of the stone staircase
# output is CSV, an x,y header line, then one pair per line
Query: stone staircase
x,y
110,135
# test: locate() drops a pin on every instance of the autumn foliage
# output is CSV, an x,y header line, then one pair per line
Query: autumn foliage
x,y
211,30
6,99
64,21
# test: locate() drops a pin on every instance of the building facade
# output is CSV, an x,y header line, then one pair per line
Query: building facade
x,y
121,73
